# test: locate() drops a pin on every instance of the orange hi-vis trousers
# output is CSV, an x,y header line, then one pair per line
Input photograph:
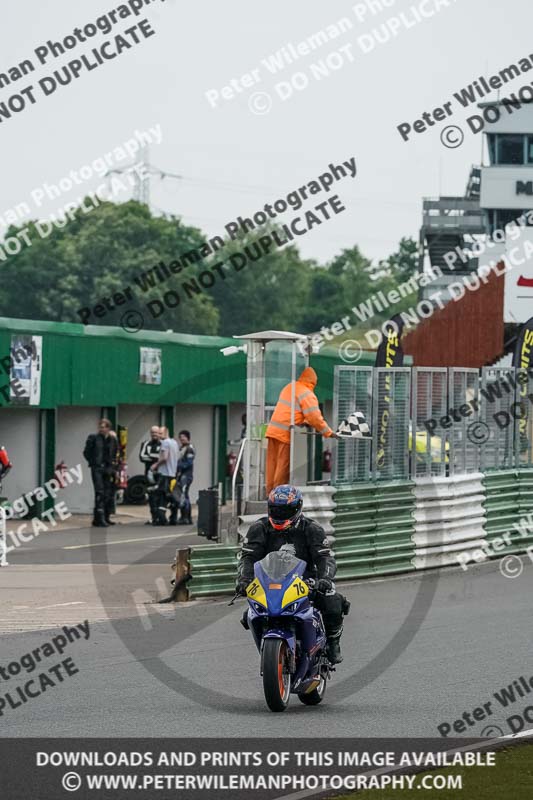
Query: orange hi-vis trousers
x,y
277,463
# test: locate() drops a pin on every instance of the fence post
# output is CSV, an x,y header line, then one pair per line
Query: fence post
x,y
181,593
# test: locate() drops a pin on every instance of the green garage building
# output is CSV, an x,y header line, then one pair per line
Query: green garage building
x,y
136,379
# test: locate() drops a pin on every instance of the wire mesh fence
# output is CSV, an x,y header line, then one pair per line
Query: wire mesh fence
x,y
429,448
463,410
498,395
391,422
352,391
430,422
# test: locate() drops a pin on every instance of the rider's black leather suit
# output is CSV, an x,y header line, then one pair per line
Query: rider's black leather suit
x,y
311,545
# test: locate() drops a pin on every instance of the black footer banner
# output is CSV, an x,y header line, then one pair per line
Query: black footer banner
x,y
215,769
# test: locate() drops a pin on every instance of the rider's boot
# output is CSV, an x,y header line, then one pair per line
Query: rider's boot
x,y
334,646
99,520
160,516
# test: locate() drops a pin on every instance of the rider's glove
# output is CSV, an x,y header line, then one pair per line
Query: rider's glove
x,y
240,586
324,585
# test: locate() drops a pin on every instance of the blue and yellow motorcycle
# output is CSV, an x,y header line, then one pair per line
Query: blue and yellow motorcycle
x,y
288,631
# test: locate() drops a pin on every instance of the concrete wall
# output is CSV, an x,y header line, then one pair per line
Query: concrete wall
x,y
19,433
73,425
235,412
198,419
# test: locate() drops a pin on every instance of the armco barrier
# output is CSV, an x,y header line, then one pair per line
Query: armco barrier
x,y
510,509
373,526
502,502
320,504
369,526
213,568
449,518
401,526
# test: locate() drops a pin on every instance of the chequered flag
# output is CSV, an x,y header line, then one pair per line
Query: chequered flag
x,y
354,426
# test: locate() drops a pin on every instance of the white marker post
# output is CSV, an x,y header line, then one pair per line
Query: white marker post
x,y
3,536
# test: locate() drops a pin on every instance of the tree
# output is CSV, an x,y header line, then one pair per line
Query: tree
x,y
95,255
398,269
266,293
248,284
334,290
403,263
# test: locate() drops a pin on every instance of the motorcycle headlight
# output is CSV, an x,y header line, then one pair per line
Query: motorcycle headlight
x,y
258,608
291,608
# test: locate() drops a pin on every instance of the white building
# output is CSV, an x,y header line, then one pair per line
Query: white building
x,y
491,221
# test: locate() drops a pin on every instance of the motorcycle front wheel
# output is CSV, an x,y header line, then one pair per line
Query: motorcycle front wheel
x,y
276,676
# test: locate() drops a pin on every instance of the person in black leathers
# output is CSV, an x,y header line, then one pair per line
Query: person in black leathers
x,y
101,452
149,454
285,524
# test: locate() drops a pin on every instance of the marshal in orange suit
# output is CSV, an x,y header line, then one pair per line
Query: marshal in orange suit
x,y
306,412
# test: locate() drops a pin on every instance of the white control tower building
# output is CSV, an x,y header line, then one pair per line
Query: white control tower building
x,y
491,220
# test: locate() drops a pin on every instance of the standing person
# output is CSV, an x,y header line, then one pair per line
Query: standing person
x,y
101,454
278,433
149,452
166,466
116,467
185,475
148,455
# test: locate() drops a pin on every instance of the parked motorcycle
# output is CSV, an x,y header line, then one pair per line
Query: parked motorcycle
x,y
288,631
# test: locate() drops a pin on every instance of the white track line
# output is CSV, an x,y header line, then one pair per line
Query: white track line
x,y
125,541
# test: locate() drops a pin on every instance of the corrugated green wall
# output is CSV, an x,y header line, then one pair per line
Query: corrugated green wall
x,y
99,366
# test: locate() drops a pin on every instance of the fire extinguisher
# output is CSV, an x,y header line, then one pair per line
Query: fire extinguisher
x,y
326,461
60,470
122,477
122,474
231,463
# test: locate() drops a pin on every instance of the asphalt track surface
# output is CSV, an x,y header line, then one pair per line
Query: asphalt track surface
x,y
192,670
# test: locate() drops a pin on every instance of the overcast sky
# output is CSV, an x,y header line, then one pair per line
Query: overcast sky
x,y
234,161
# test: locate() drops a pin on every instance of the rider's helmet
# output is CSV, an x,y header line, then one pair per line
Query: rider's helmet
x,y
284,506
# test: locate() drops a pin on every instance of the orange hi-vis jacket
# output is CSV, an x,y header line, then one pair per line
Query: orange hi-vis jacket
x,y
306,410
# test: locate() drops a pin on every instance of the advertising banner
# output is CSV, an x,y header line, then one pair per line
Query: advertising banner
x,y
150,365
26,369
389,354
522,359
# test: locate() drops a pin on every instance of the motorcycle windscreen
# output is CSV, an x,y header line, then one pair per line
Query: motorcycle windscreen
x,y
279,564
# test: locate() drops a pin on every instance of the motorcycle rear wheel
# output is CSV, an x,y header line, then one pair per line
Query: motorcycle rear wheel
x,y
316,696
276,677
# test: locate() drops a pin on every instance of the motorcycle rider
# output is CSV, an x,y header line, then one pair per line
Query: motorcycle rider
x,y
286,524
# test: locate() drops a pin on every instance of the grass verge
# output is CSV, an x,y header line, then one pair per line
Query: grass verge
x,y
511,777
